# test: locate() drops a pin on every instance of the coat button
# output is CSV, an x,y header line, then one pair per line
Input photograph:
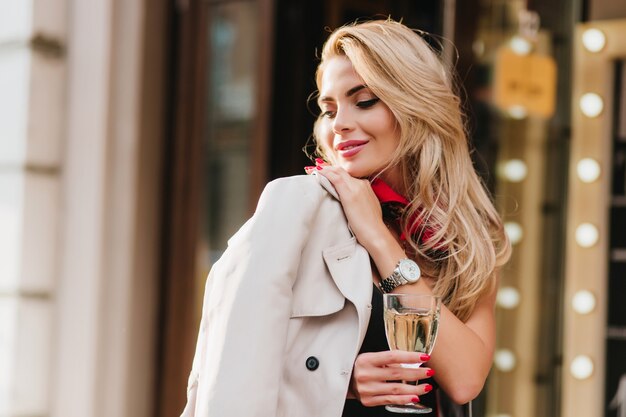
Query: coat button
x,y
312,363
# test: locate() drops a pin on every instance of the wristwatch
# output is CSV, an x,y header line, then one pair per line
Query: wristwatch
x,y
406,272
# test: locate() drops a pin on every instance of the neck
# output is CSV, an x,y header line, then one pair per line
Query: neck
x,y
394,180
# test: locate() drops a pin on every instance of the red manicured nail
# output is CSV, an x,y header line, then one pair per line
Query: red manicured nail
x,y
430,372
428,388
319,161
425,357
415,399
319,168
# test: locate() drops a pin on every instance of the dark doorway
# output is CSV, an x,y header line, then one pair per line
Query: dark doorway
x,y
300,30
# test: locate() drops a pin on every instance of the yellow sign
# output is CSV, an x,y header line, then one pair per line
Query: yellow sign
x,y
526,81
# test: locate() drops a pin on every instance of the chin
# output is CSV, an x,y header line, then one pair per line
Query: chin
x,y
360,170
357,172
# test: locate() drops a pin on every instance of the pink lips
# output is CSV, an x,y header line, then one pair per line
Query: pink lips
x,y
350,148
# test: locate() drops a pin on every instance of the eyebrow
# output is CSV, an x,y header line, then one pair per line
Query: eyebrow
x,y
349,93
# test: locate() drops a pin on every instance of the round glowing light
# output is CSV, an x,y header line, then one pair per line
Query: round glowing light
x,y
479,47
508,298
581,367
514,231
583,302
587,235
504,360
588,170
514,170
591,104
518,112
520,45
594,40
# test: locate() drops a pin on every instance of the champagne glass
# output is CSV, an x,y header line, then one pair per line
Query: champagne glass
x,y
411,322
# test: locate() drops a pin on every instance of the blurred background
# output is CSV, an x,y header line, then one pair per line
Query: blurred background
x,y
136,137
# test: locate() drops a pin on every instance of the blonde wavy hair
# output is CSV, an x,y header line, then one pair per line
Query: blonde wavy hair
x,y
440,182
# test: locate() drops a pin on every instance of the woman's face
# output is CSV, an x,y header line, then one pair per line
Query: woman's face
x,y
356,130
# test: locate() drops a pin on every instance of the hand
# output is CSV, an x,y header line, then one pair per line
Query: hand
x,y
372,371
359,202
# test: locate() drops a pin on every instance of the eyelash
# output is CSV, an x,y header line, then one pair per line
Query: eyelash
x,y
366,104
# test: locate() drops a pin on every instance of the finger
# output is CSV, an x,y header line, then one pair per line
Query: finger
x,y
335,171
393,389
340,174
381,389
396,357
390,393
390,399
397,373
345,185
332,173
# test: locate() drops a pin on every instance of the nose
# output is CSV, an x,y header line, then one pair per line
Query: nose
x,y
343,122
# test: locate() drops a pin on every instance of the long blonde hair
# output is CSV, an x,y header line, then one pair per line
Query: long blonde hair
x,y
439,180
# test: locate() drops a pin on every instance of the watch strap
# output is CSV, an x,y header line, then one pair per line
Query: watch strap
x,y
390,283
398,276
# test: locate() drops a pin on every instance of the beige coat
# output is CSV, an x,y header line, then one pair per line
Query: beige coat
x,y
285,311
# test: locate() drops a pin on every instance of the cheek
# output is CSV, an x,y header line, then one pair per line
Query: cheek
x,y
392,131
324,137
391,123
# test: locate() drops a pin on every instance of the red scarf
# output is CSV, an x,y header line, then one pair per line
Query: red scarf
x,y
393,205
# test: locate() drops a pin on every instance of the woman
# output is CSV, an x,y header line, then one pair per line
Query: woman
x,y
288,306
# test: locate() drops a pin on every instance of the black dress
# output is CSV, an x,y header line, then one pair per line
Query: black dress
x,y
376,341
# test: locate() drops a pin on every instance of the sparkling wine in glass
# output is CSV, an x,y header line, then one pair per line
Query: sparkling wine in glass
x,y
411,323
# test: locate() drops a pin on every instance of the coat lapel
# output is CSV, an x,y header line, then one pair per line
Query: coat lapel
x,y
350,268
325,182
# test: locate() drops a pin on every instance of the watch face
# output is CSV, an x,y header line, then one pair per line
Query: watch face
x,y
409,270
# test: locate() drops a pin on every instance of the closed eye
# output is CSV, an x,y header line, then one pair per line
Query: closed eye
x,y
367,103
363,104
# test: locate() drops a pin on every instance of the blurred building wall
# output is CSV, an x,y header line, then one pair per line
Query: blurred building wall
x,y
33,73
80,142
